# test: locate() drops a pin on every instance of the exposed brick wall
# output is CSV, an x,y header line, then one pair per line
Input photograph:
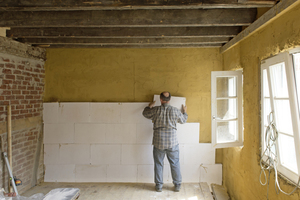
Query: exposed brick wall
x,y
22,86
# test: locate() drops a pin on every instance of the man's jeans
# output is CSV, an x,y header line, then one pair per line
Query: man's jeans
x,y
173,157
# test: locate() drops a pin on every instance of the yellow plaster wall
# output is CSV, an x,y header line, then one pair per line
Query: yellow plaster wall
x,y
134,75
241,165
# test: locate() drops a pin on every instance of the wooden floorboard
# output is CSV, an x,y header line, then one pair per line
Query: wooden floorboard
x,y
128,191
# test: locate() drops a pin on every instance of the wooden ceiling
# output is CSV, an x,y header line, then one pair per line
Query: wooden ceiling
x,y
127,23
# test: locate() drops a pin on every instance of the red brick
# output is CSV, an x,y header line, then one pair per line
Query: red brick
x,y
17,72
38,66
26,73
15,112
19,97
21,87
26,82
37,97
37,79
12,97
7,81
12,87
6,92
9,76
4,103
22,67
8,65
43,71
29,97
16,92
20,78
6,71
25,92
3,86
14,102
42,76
33,101
1,108
1,97
20,107
24,101
28,69
34,75
30,87
27,78
33,92
17,82
37,70
28,106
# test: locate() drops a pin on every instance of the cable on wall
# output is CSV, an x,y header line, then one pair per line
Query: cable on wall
x,y
271,136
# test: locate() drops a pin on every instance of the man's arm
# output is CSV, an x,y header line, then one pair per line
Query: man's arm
x,y
183,116
148,111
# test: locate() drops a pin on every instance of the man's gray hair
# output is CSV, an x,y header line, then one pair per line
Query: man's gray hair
x,y
164,98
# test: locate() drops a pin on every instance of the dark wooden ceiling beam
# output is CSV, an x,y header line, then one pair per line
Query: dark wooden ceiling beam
x,y
102,41
129,18
133,46
52,5
112,32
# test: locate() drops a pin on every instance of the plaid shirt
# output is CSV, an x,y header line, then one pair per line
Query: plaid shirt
x,y
164,120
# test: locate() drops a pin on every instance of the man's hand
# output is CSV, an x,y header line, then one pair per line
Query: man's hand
x,y
152,104
184,108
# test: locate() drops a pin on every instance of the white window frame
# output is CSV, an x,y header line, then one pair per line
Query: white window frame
x,y
239,108
285,58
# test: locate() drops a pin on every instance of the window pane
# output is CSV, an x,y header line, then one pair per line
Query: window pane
x,y
226,131
266,84
283,116
287,152
296,59
226,109
278,79
267,110
226,87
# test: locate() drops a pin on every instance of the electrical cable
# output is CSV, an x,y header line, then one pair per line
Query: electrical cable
x,y
271,136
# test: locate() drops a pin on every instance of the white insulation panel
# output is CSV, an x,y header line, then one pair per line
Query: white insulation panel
x,y
112,142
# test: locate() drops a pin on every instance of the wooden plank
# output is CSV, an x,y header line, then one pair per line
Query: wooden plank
x,y
206,191
144,32
50,5
100,41
129,18
270,15
133,46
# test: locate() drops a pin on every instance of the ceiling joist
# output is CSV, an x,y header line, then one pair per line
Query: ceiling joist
x,y
128,23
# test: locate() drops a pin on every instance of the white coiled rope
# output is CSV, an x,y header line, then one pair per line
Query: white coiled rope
x,y
271,137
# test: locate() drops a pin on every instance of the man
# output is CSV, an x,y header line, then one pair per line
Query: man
x,y
165,140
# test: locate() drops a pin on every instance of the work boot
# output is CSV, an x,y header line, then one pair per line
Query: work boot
x,y
158,188
177,187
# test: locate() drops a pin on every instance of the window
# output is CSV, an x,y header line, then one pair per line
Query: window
x,y
280,97
226,91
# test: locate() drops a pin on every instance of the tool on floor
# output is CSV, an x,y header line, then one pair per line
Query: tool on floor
x,y
11,178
